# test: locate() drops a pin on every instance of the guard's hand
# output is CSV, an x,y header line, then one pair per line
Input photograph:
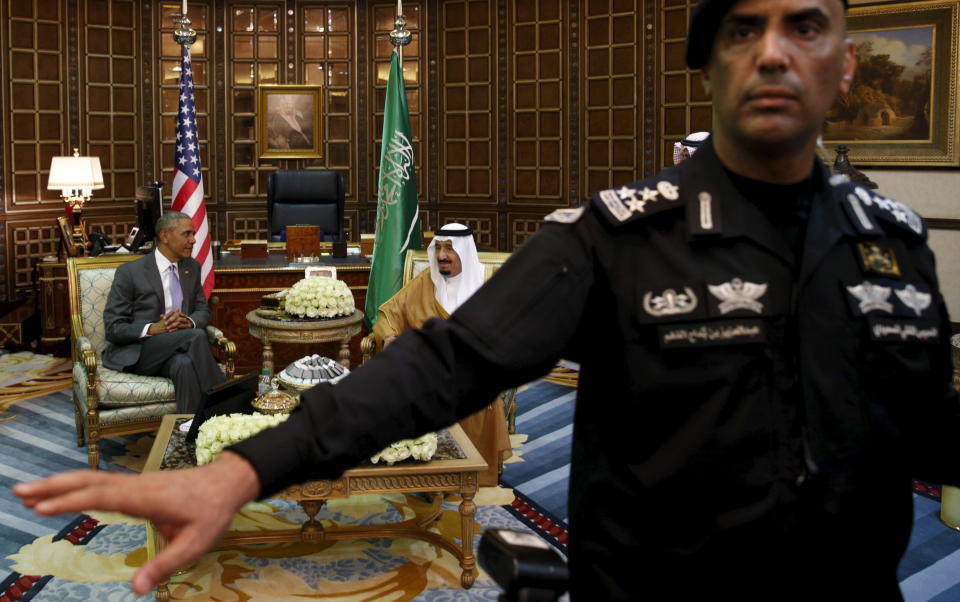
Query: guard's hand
x,y
191,529
388,340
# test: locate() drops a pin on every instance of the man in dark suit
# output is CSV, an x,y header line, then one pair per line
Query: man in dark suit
x,y
156,316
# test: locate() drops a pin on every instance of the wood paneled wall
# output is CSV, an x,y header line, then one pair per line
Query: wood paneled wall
x,y
517,106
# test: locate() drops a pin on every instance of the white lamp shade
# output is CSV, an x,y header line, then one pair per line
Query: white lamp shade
x,y
70,173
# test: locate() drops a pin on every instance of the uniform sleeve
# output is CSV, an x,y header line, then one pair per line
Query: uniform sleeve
x,y
511,331
935,445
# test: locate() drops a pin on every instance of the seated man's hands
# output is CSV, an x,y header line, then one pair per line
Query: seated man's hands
x,y
169,322
177,320
166,498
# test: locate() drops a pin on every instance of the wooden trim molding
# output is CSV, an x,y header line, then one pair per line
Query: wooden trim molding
x,y
942,223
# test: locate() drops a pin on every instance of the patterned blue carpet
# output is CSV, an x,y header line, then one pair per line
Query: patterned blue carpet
x,y
929,572
39,443
545,415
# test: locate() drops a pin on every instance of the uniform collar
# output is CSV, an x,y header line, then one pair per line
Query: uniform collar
x,y
705,188
704,181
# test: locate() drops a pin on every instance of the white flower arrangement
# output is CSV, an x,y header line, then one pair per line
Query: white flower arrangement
x,y
221,432
422,448
319,297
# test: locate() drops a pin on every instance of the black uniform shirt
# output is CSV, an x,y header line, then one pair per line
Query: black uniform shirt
x,y
711,452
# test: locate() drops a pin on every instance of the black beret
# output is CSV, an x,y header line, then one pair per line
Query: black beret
x,y
707,16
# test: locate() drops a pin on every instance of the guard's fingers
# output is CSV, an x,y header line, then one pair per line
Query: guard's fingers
x,y
184,550
60,483
110,497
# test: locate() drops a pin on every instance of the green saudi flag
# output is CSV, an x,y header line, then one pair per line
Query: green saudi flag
x,y
398,223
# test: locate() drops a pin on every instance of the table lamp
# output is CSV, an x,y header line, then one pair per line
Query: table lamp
x,y
76,177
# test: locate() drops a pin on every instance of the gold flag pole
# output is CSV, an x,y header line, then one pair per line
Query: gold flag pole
x,y
184,34
400,37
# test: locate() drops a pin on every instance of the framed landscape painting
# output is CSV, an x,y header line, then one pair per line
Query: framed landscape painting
x,y
289,121
902,107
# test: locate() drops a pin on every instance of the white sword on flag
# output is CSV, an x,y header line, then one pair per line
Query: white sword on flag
x,y
400,37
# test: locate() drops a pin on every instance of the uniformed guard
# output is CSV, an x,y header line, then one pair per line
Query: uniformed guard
x,y
764,358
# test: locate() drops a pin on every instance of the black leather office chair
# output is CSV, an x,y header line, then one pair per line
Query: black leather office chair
x,y
310,197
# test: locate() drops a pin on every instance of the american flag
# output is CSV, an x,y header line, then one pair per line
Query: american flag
x,y
187,180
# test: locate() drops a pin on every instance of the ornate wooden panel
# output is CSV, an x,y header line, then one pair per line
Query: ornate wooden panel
x,y
246,224
351,225
484,224
327,46
538,34
255,43
467,69
34,53
168,89
684,104
517,106
110,103
611,93
4,76
522,226
382,15
30,240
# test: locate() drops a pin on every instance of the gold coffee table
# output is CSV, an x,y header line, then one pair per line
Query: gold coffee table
x,y
275,330
457,476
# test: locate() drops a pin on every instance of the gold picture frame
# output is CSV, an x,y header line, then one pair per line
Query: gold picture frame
x,y
902,107
289,123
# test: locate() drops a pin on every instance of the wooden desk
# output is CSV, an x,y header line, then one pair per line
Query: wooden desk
x,y
437,477
238,286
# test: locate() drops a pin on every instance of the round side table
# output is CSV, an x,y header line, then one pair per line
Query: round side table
x,y
275,330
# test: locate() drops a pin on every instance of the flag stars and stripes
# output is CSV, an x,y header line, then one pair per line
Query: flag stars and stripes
x,y
187,174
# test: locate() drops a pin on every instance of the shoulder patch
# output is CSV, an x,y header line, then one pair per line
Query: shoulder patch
x,y
886,210
637,200
565,216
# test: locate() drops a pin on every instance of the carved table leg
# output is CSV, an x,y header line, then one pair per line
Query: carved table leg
x,y
344,356
159,543
467,510
268,356
312,530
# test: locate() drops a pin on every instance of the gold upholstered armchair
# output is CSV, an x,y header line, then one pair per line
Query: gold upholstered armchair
x,y
107,402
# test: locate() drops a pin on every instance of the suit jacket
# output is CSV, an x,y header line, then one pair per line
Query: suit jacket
x,y
136,299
